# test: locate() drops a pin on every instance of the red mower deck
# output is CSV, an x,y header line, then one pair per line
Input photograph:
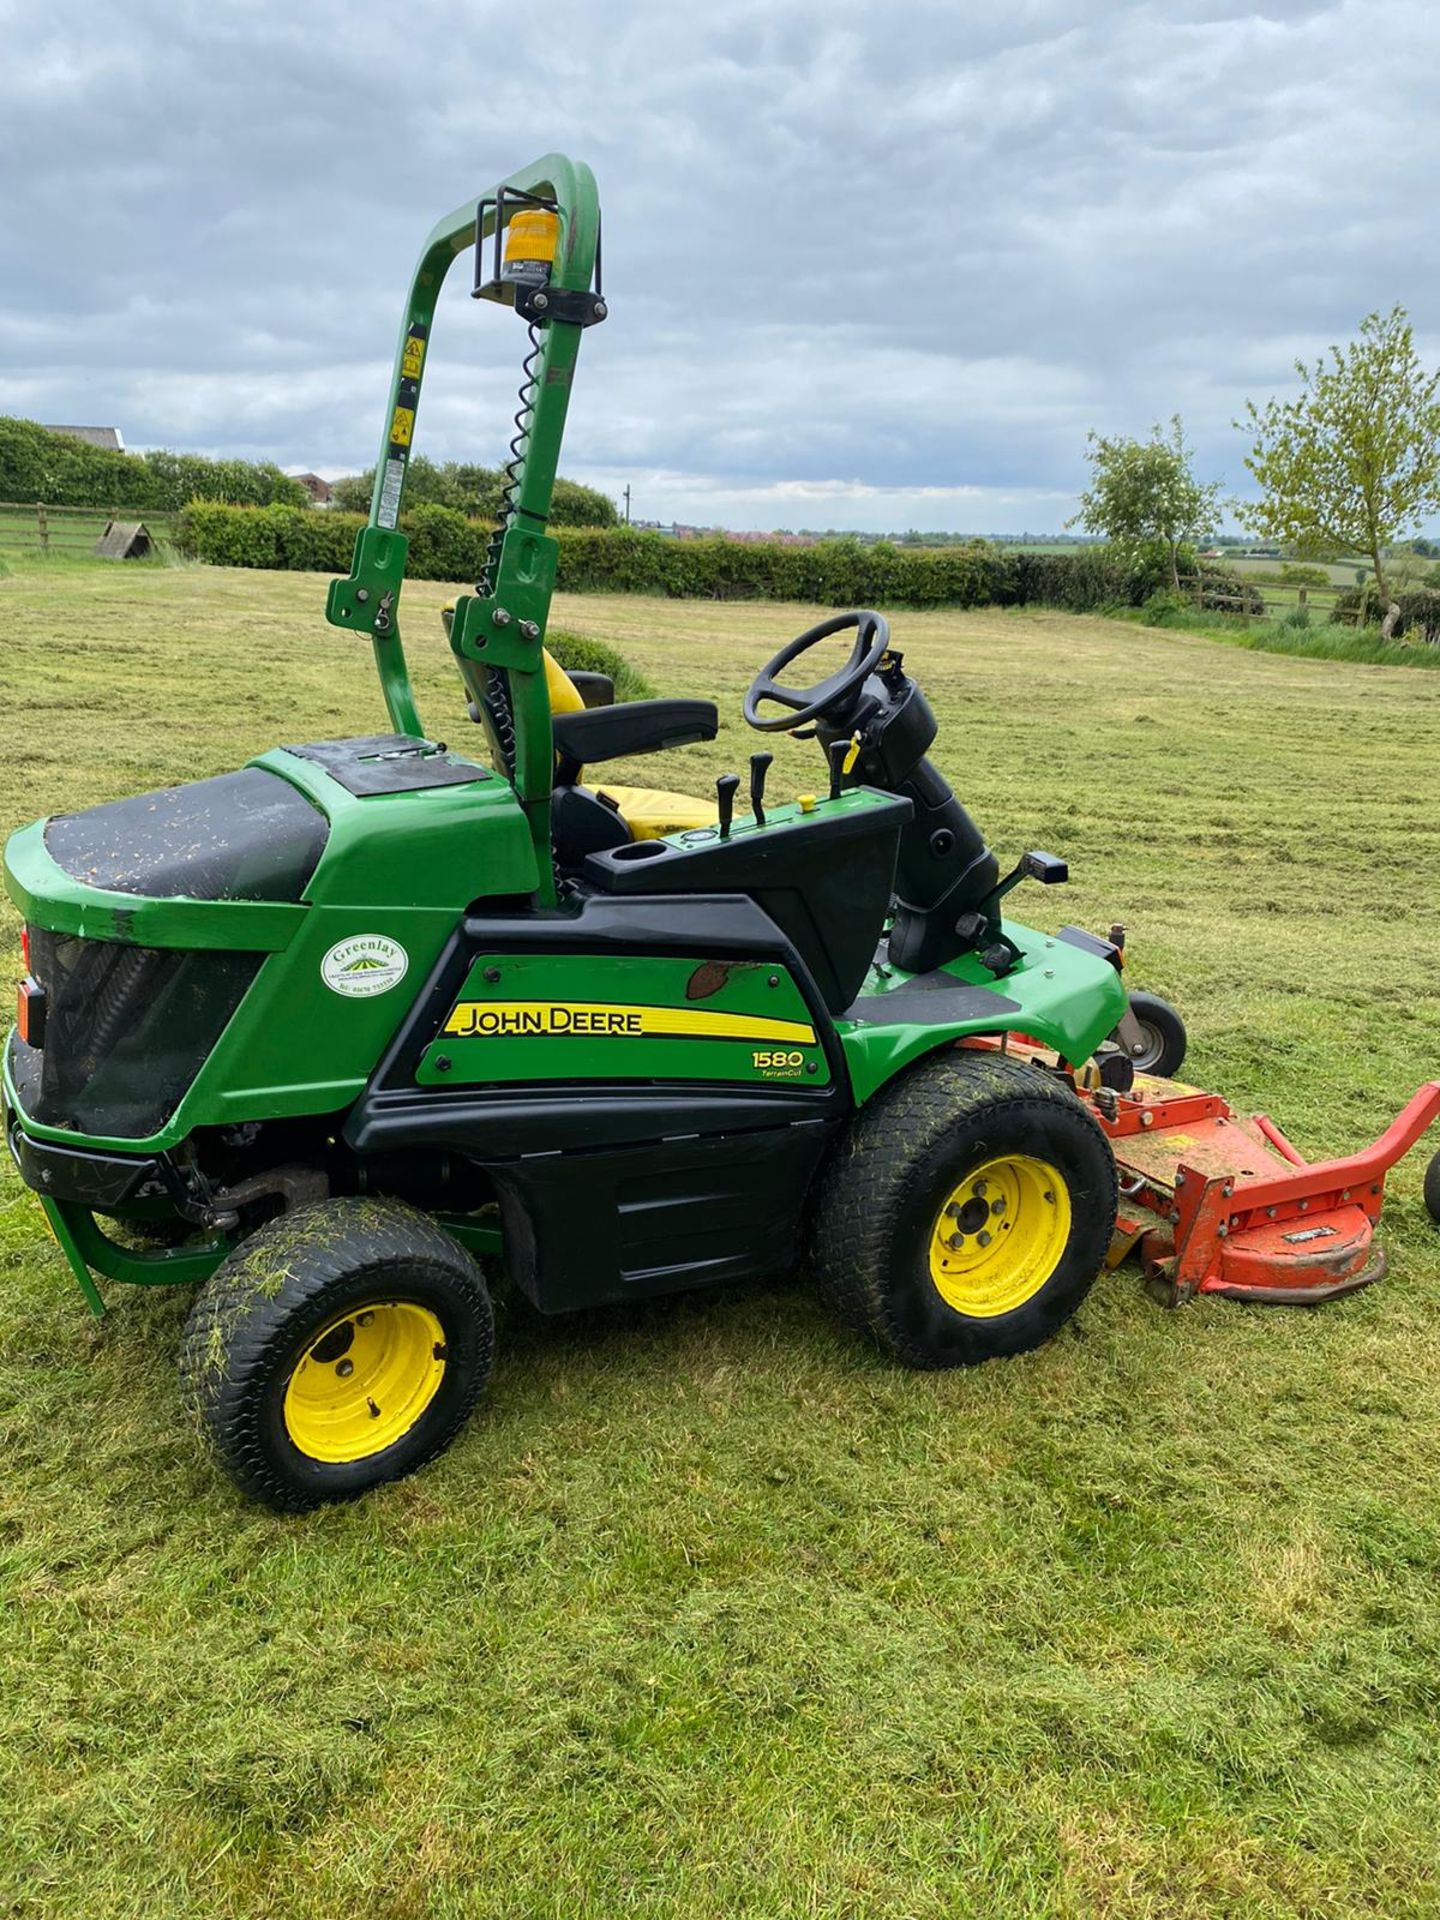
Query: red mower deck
x,y
1216,1203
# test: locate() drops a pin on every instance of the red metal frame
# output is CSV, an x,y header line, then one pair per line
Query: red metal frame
x,y
1215,1203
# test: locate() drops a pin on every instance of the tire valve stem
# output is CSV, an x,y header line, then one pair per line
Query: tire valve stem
x,y
374,1410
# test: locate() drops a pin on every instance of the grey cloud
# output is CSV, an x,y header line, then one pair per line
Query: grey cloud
x,y
905,249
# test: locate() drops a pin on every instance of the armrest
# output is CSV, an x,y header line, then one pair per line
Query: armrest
x,y
598,734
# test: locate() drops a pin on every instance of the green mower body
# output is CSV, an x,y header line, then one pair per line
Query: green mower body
x,y
358,988
377,972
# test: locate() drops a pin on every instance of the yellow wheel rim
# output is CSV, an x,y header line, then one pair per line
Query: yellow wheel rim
x,y
999,1235
364,1380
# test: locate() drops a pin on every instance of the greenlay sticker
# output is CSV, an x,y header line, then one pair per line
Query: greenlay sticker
x,y
364,965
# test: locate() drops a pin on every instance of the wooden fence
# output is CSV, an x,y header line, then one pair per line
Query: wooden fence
x,y
68,531
1279,597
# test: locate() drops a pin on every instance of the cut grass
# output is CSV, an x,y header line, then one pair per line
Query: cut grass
x,y
711,1612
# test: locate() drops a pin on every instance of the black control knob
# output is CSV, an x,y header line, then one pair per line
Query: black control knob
x,y
760,764
726,788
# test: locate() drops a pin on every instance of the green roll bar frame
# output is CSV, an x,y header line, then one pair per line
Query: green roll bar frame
x,y
504,627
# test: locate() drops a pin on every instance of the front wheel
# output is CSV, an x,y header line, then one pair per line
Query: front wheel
x,y
338,1347
966,1212
1432,1189
1164,1035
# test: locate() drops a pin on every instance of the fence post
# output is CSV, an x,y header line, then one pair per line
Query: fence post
x,y
1304,597
42,526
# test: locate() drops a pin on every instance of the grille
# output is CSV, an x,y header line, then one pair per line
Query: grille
x,y
127,1030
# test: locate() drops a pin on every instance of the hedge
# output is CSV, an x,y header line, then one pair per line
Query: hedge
x,y
60,471
1419,611
578,653
444,545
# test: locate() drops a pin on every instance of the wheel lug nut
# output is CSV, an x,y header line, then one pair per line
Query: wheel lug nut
x,y
981,1189
955,1242
345,1368
997,1207
363,1319
983,1238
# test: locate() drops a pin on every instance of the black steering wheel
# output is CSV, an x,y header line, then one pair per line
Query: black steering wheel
x,y
804,704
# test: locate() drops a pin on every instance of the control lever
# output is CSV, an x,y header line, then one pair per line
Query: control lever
x,y
839,750
760,764
726,787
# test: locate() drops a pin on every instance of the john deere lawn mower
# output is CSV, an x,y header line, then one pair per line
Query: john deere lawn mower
x,y
324,1034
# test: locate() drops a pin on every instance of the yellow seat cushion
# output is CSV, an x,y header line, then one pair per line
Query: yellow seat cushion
x,y
651,813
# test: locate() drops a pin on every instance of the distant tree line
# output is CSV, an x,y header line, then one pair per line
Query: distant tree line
x,y
58,471
476,492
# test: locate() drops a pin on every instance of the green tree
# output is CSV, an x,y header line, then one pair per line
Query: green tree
x,y
477,492
1352,463
1142,495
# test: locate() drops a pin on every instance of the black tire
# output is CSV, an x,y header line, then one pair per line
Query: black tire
x,y
1431,1189
884,1195
1165,1039
255,1325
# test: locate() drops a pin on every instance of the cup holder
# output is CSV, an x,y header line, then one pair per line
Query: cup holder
x,y
640,850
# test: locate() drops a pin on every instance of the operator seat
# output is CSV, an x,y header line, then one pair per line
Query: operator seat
x,y
635,813
648,812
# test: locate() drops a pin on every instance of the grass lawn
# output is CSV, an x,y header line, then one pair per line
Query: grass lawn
x,y
712,1612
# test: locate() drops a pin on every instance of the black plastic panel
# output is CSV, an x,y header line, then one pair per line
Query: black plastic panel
x,y
242,836
824,879
390,763
931,998
588,1229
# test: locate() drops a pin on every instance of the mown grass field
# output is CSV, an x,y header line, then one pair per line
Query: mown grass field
x,y
712,1612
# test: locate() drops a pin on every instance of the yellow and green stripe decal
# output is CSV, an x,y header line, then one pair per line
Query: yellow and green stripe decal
x,y
613,1020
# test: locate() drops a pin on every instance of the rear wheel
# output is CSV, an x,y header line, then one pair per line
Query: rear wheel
x,y
340,1346
966,1213
1164,1034
1432,1189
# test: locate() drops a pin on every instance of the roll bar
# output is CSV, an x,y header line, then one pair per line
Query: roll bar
x,y
502,625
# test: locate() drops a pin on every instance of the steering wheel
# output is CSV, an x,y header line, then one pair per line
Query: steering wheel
x,y
804,704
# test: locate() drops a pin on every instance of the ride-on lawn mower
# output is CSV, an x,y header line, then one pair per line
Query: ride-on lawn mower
x,y
319,1033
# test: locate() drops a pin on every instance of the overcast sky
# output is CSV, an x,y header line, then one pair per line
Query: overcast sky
x,y
868,265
